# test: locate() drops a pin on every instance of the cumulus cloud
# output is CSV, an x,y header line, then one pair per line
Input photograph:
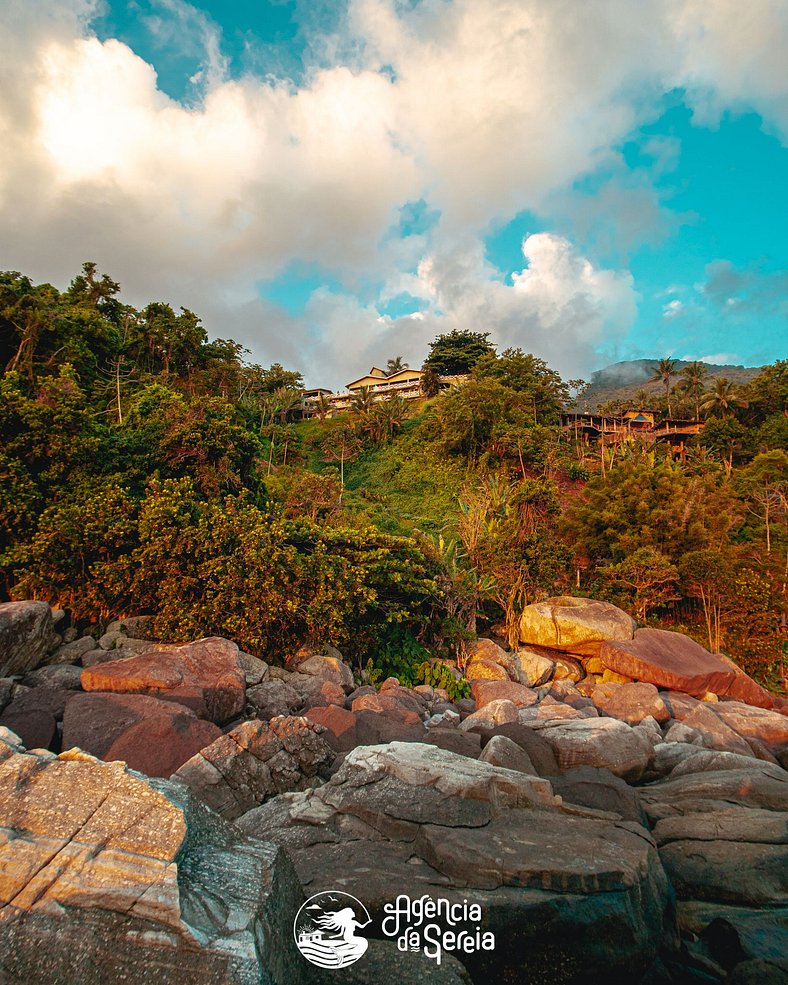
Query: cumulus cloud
x,y
480,109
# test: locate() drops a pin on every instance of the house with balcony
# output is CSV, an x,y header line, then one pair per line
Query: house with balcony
x,y
643,425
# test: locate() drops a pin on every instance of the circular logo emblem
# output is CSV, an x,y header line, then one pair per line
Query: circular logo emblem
x,y
325,929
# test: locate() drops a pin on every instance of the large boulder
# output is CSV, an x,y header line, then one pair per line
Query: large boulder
x,y
668,660
205,676
106,878
743,687
601,790
26,636
328,669
152,736
486,660
630,703
533,668
255,761
577,625
570,896
600,742
769,727
486,691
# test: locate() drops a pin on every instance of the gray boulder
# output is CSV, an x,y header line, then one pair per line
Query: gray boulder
x,y
26,635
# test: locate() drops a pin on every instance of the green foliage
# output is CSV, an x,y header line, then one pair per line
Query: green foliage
x,y
440,675
458,352
398,654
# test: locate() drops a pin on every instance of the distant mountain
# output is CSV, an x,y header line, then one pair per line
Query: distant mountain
x,y
622,381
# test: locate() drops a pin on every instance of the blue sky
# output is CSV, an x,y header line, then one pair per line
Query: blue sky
x,y
334,183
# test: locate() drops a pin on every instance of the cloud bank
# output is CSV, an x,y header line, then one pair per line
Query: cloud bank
x,y
482,108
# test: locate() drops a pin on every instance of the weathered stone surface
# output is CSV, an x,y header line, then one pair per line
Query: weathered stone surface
x,y
328,669
599,742
485,670
152,736
486,691
463,743
668,660
340,726
714,732
73,652
735,934
503,752
59,677
705,760
770,727
518,850
254,669
403,707
496,712
533,668
273,698
373,728
383,963
255,761
601,790
106,878
329,694
205,676
568,669
743,688
761,786
26,633
137,627
540,752
36,727
630,703
566,623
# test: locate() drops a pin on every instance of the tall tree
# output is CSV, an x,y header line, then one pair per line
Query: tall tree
x,y
458,352
722,399
395,365
693,376
664,373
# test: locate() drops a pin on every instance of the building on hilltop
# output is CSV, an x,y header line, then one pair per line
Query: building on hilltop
x,y
642,425
406,383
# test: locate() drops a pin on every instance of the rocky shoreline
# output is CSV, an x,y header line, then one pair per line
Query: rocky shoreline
x,y
615,799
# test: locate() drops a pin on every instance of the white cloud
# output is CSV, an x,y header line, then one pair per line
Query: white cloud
x,y
673,309
490,107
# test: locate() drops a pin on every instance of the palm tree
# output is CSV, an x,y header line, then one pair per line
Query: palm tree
x,y
395,365
363,400
663,373
693,376
722,399
322,406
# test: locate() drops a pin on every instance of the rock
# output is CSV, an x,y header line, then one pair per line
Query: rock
x,y
568,669
743,688
273,698
759,972
601,790
550,710
26,632
630,703
58,677
153,736
495,712
736,934
329,694
668,660
255,670
373,728
577,625
90,658
769,727
714,733
484,670
205,676
760,786
340,725
108,878
36,727
108,640
737,855
72,653
328,669
384,962
402,707
533,668
255,761
600,742
486,691
540,752
503,752
6,691
70,634
462,743
137,627
679,732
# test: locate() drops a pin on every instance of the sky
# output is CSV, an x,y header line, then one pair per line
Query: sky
x,y
335,182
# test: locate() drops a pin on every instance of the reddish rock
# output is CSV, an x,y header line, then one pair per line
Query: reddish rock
x,y
35,727
486,691
630,703
340,726
714,731
386,704
451,739
205,676
329,694
372,729
485,670
669,660
769,727
152,736
744,688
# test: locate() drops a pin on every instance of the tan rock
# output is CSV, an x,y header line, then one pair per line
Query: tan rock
x,y
601,742
101,884
533,668
630,703
577,625
486,691
485,670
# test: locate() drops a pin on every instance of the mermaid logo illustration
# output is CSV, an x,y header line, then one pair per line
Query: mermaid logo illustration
x,y
325,929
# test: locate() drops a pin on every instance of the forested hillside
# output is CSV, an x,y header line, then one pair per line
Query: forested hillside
x,y
146,468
